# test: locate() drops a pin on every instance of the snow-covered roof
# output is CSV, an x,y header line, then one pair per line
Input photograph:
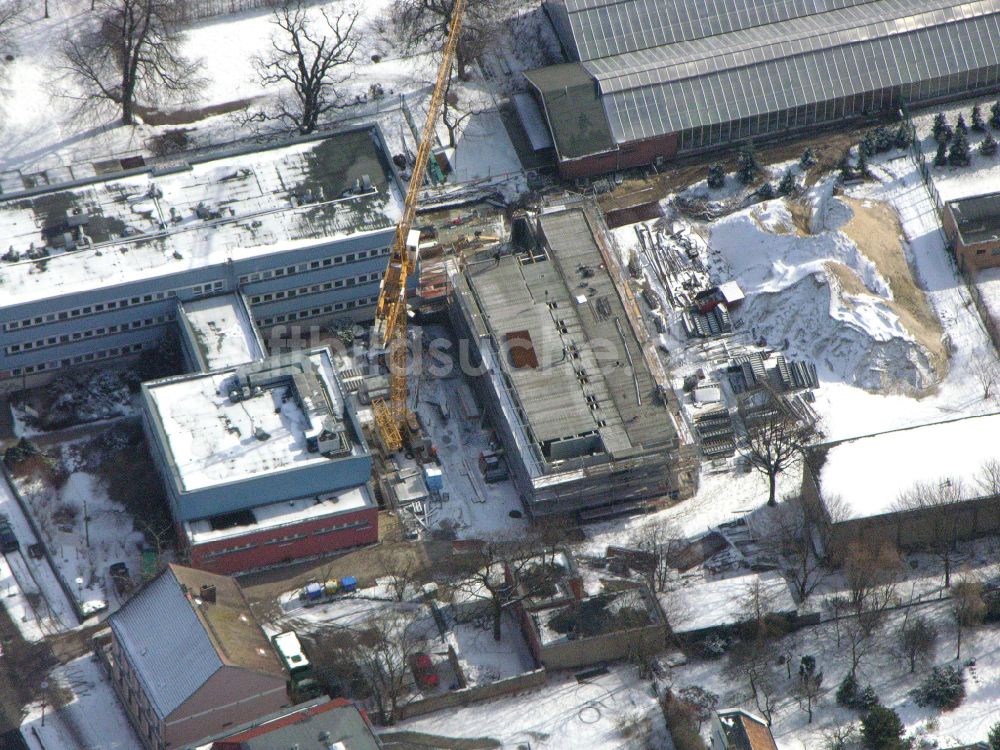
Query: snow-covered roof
x,y
166,221
714,604
868,474
223,332
282,514
175,641
213,439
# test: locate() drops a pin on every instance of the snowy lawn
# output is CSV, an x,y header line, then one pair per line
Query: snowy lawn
x,y
92,718
42,129
596,714
85,531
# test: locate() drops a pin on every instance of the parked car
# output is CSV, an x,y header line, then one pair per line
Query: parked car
x,y
8,540
423,670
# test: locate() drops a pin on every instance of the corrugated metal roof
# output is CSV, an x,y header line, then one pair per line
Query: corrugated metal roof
x,y
739,59
166,644
602,28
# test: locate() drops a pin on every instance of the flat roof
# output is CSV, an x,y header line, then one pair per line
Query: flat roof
x,y
977,218
574,365
869,474
212,439
265,517
158,223
222,331
713,604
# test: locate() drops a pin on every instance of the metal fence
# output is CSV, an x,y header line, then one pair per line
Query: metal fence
x,y
919,159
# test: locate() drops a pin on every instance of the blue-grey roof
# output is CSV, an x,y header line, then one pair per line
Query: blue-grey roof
x,y
167,646
601,28
719,61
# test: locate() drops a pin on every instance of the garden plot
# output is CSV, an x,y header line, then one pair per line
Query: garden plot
x,y
88,714
84,530
605,712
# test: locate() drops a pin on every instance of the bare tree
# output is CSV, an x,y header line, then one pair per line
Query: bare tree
x,y
935,501
381,652
917,638
663,540
400,569
791,531
10,11
455,113
421,25
860,634
131,56
986,369
809,685
702,702
756,607
871,569
503,572
988,479
752,664
968,608
839,736
774,443
312,57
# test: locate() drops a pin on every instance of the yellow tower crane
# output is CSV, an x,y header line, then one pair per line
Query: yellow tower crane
x,y
390,315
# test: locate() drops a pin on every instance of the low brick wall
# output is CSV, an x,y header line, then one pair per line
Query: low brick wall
x,y
455,698
619,644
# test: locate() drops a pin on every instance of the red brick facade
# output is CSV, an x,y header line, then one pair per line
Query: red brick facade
x,y
284,544
637,154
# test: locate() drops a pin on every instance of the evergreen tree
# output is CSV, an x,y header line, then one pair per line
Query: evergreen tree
x,y
766,191
960,126
882,729
747,167
866,147
958,154
844,165
787,186
883,140
716,177
941,157
847,691
977,120
993,738
902,139
940,127
988,146
944,688
863,168
808,158
995,115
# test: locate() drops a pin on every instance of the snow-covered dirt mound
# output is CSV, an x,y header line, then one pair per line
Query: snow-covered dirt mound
x,y
825,298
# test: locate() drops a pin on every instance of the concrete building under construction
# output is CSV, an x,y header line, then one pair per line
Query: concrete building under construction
x,y
569,378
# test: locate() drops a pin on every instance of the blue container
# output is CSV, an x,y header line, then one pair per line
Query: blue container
x,y
313,591
349,584
433,478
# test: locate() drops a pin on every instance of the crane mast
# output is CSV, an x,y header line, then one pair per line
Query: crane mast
x,y
390,314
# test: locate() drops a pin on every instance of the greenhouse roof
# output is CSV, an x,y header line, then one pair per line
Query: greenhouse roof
x,y
727,62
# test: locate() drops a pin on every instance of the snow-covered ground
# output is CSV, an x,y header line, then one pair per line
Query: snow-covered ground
x,y
42,129
982,175
563,714
83,549
474,508
24,576
92,719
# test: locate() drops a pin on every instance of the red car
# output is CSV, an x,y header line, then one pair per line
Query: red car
x,y
423,670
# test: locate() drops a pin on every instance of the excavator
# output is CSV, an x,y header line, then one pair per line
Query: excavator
x,y
392,416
